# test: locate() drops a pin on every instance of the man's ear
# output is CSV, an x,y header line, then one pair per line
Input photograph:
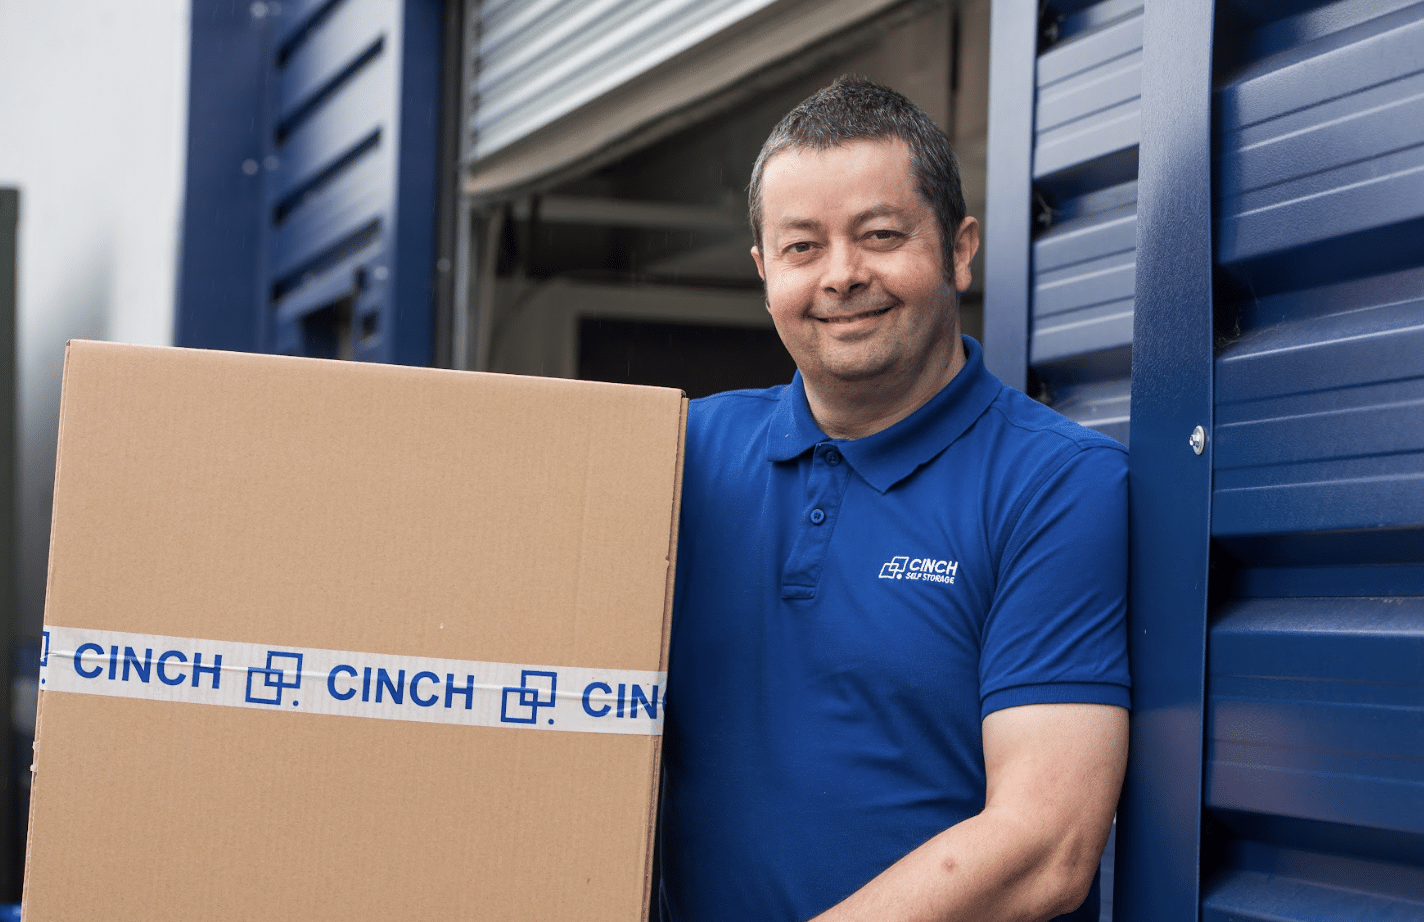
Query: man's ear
x,y
966,244
756,258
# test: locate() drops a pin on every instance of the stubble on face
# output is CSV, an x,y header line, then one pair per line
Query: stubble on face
x,y
855,280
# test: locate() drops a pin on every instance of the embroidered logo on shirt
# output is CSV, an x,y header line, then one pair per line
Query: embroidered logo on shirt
x,y
927,569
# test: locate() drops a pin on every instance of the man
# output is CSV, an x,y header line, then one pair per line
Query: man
x,y
898,680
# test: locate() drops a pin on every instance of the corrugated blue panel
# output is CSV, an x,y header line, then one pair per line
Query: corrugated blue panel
x,y
352,198
313,151
298,16
1102,405
1317,711
1252,896
1089,96
1086,130
1364,571
344,275
1087,328
1085,275
1320,416
1315,732
350,33
1306,803
321,192
1323,140
326,133
350,180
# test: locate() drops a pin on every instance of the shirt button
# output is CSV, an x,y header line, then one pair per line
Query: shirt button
x,y
833,458
817,516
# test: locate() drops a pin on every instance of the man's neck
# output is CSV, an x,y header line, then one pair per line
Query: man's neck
x,y
856,409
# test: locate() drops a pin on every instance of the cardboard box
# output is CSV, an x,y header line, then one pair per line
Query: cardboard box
x,y
440,600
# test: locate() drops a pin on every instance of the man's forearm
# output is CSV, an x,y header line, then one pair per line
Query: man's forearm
x,y
1054,774
978,870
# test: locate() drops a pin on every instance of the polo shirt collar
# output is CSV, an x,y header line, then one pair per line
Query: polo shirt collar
x,y
891,455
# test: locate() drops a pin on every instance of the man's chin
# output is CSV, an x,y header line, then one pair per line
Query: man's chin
x,y
852,372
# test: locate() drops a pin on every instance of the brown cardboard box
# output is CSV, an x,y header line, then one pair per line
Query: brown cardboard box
x,y
440,600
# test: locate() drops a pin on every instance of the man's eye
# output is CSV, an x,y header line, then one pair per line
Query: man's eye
x,y
884,234
799,247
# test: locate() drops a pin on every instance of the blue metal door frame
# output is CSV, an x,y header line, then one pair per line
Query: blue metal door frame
x,y
222,232
1014,40
1160,816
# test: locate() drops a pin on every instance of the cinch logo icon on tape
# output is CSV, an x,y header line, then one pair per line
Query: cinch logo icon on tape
x,y
531,697
275,677
348,684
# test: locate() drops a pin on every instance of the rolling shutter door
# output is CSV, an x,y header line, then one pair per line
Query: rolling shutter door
x,y
538,61
555,85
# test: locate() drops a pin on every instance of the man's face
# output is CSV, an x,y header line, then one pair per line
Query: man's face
x,y
854,271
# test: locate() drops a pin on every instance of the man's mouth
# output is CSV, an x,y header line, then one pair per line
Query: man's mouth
x,y
851,318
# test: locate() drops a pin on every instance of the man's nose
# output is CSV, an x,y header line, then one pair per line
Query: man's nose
x,y
846,271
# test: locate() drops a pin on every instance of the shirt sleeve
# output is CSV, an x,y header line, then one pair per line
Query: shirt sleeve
x,y
1056,631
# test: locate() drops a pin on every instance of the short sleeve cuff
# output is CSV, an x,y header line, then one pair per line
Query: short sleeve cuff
x,y
1057,693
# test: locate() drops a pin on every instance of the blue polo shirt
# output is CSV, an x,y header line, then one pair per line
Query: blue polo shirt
x,y
848,611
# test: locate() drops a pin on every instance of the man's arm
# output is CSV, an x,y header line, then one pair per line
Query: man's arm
x,y
1054,772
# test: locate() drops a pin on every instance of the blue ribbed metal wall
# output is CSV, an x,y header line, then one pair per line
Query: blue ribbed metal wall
x,y
355,117
317,121
1233,194
1315,690
1079,209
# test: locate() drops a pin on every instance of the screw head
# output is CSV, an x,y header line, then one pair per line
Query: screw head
x,y
1198,440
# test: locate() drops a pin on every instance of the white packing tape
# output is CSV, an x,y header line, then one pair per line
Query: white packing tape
x,y
350,684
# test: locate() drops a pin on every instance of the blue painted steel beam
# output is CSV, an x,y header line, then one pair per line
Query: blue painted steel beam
x,y
1159,820
1012,53
412,305
219,294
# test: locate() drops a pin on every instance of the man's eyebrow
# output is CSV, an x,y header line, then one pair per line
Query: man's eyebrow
x,y
880,211
806,224
886,210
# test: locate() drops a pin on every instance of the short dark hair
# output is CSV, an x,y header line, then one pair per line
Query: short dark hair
x,y
855,109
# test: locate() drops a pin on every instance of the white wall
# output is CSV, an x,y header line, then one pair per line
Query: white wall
x,y
93,111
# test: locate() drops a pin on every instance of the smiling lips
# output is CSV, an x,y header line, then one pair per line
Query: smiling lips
x,y
851,318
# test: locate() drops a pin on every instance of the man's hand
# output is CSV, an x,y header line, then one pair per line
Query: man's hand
x,y
1054,774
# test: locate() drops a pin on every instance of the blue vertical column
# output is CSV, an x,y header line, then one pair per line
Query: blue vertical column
x,y
1014,43
409,311
1160,818
220,303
